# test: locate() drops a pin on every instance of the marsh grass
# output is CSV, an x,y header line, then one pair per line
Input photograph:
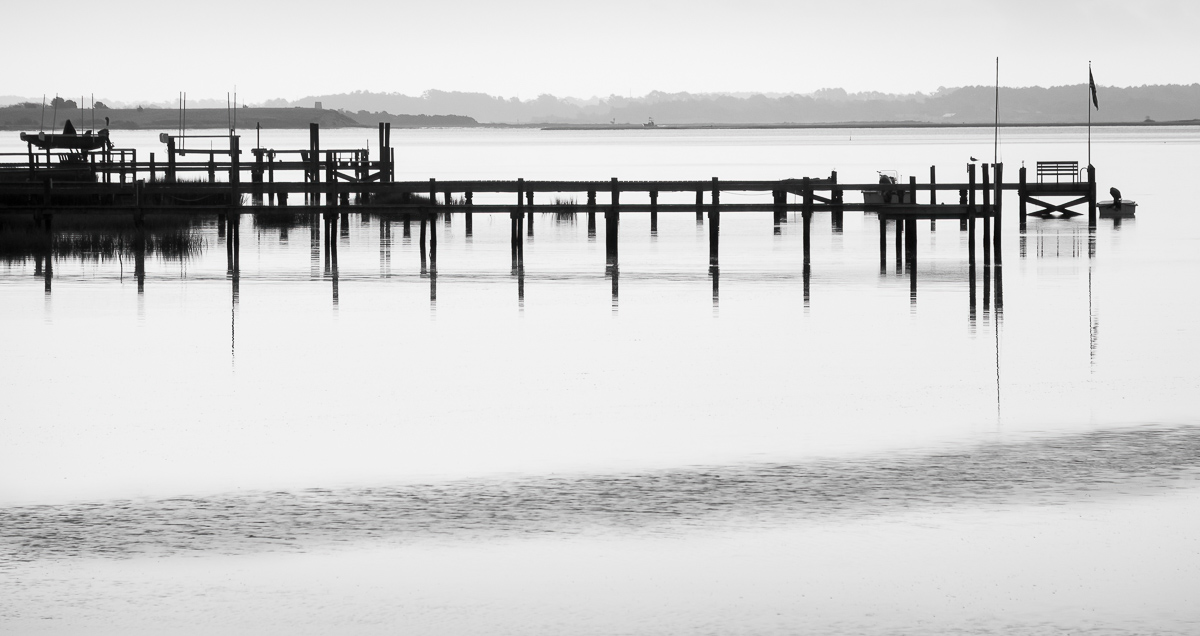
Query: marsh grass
x,y
563,213
101,237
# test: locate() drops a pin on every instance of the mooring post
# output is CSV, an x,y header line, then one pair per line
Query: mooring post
x,y
1091,171
806,217
591,213
700,205
314,168
1021,197
33,162
467,215
529,201
899,225
153,169
212,168
170,160
987,215
997,213
932,195
714,225
971,215
235,170
391,152
433,242
612,225
448,198
910,241
423,244
433,197
271,177
654,211
912,189
520,224
839,198
775,208
882,244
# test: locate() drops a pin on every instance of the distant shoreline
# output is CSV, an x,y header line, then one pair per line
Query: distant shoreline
x,y
845,125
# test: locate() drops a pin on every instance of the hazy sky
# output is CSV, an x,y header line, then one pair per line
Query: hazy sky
x,y
151,50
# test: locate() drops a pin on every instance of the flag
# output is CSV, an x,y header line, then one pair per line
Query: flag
x,y
1092,84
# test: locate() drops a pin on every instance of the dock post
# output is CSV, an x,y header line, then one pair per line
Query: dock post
x,y
899,225
330,181
910,242
714,226
1021,197
1091,171
519,227
700,206
433,242
591,214
433,197
314,159
653,212
987,215
153,169
271,177
529,204
170,160
839,197
235,169
612,226
212,168
448,199
882,245
971,217
32,162
932,195
467,216
997,214
423,244
775,209
807,218
912,189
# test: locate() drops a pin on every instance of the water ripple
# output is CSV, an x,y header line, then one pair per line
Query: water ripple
x,y
1045,471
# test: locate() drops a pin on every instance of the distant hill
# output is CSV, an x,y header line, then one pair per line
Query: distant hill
x,y
23,118
970,104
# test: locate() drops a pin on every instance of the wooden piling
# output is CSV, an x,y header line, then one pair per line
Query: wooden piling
x,y
882,245
987,215
700,205
518,228
838,196
314,168
1021,197
448,198
591,213
612,225
170,160
714,226
971,219
467,216
235,170
1091,172
997,215
422,240
529,202
654,212
807,219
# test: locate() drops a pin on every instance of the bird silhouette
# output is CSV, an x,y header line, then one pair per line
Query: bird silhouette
x,y
974,159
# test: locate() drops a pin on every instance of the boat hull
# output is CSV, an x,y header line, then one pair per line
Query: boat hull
x,y
1109,210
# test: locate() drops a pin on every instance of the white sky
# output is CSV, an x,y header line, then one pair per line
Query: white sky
x,y
151,50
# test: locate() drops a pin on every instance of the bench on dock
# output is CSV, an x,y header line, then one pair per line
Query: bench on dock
x,y
1058,170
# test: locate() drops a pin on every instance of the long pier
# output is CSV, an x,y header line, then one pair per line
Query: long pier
x,y
342,180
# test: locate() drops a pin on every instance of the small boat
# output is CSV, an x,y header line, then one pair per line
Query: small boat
x,y
1124,208
68,139
888,191
650,124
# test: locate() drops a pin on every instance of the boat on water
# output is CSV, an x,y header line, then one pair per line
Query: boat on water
x,y
888,191
72,150
1119,209
650,124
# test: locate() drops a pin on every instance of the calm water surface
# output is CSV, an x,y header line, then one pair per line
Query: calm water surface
x,y
359,447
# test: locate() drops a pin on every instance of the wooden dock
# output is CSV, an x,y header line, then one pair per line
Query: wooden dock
x,y
333,181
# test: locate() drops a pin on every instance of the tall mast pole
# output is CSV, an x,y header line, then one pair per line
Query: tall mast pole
x,y
1089,107
996,141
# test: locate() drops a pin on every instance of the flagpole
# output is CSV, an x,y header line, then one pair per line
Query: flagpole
x,y
1089,107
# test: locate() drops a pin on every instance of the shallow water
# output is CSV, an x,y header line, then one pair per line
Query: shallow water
x,y
358,446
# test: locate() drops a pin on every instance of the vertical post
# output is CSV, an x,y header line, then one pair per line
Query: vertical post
x,y
383,155
971,216
591,213
1091,172
32,163
235,169
520,224
912,189
529,202
700,205
448,199
170,160
467,216
997,215
153,169
882,245
807,218
932,195
1021,196
212,168
654,211
612,225
391,152
314,168
839,197
271,177
987,215
714,226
